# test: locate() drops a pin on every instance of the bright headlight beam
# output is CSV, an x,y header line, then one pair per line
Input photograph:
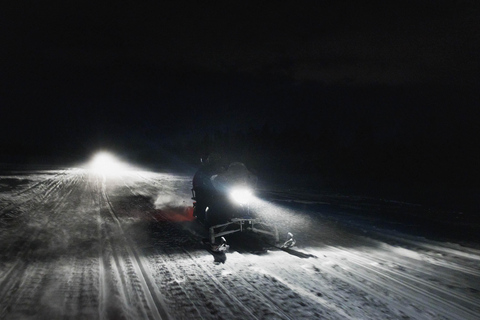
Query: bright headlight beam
x,y
241,196
106,163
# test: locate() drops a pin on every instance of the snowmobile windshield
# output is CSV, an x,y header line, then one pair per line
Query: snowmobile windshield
x,y
235,176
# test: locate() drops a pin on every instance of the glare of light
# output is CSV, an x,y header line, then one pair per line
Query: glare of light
x,y
241,195
106,163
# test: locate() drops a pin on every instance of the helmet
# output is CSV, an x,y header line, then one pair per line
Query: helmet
x,y
214,159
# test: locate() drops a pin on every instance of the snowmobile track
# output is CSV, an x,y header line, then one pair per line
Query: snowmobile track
x,y
154,298
50,185
14,277
289,287
267,300
60,203
174,275
383,282
452,300
221,287
50,180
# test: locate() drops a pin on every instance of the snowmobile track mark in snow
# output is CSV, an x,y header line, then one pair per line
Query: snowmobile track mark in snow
x,y
50,186
189,276
274,303
220,286
154,299
419,279
374,287
398,278
172,272
17,272
49,180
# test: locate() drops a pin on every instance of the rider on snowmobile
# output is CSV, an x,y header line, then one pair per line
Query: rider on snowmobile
x,y
224,200
204,191
212,184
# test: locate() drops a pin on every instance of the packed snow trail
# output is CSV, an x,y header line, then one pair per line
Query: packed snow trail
x,y
77,244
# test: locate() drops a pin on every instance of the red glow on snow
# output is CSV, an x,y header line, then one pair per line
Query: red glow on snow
x,y
174,214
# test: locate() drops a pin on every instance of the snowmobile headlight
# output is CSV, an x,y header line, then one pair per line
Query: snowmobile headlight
x,y
241,196
106,163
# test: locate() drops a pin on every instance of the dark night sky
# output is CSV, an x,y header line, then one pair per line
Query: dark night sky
x,y
75,75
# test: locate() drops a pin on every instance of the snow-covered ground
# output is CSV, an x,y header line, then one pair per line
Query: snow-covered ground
x,y
79,244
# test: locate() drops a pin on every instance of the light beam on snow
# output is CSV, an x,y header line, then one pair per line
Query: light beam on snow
x,y
284,218
271,211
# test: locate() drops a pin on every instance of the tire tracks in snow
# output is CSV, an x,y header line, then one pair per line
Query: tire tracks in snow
x,y
152,297
372,287
32,237
51,184
235,287
416,260
64,172
209,299
443,302
288,285
445,250
172,277
14,279
380,288
271,308
319,291
59,285
220,287
422,263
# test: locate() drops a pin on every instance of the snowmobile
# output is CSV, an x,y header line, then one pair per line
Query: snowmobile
x,y
222,203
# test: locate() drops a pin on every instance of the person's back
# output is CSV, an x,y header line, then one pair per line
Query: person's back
x,y
202,184
236,175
